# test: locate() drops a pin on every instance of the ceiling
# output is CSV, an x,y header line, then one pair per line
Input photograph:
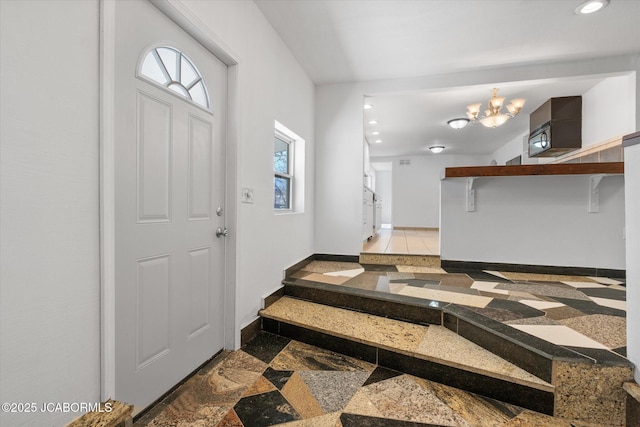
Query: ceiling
x,y
361,40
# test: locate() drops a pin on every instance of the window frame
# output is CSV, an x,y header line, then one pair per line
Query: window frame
x,y
290,142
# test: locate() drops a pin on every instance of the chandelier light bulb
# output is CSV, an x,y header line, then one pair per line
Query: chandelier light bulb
x,y
493,117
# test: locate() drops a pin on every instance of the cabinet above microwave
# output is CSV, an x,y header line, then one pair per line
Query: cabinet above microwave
x,y
556,127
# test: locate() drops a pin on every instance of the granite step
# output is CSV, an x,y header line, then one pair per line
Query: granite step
x,y
428,351
587,383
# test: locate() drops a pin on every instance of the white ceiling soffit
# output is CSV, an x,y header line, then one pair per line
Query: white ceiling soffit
x,y
346,40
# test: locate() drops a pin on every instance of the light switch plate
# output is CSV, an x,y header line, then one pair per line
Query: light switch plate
x,y
247,195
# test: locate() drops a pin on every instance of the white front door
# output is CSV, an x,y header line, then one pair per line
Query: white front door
x,y
169,195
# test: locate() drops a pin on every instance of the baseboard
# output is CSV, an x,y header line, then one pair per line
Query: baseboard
x,y
336,258
528,268
250,331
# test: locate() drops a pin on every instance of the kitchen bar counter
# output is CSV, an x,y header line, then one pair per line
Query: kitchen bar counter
x,y
527,170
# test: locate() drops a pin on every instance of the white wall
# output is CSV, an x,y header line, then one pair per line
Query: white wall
x,y
49,265
416,187
272,86
538,220
50,312
609,109
384,187
632,189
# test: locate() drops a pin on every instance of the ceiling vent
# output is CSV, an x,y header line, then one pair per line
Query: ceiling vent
x,y
406,162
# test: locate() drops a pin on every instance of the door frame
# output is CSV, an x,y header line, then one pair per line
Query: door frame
x,y
192,25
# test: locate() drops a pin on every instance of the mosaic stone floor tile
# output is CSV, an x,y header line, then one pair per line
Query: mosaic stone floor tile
x,y
607,293
265,409
402,398
541,305
445,296
346,273
370,280
581,285
298,356
498,314
531,277
332,389
301,397
327,420
323,278
495,273
379,267
591,307
548,290
230,420
266,346
476,410
355,420
564,312
606,280
262,385
330,266
607,330
277,377
540,320
381,374
611,303
488,287
560,335
417,269
529,419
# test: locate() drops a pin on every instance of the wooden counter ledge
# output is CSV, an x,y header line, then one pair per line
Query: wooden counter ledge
x,y
526,170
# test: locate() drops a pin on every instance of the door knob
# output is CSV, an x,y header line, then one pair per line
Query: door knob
x,y
222,232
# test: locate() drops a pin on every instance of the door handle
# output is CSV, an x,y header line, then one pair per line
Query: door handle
x,y
222,232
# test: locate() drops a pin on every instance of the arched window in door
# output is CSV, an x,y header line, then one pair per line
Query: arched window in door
x,y
171,69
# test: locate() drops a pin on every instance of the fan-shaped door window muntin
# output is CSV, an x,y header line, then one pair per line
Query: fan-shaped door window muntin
x,y
172,70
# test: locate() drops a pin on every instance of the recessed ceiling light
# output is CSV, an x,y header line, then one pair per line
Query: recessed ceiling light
x,y
368,106
591,6
373,122
378,141
436,149
458,123
375,133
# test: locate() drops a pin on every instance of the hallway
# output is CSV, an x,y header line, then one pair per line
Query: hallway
x,y
404,242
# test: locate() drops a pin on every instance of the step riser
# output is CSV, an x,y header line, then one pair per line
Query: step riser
x,y
360,301
526,397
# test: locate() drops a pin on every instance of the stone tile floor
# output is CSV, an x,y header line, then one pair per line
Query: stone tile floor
x,y
275,381
578,312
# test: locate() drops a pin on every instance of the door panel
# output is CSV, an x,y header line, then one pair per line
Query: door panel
x,y
170,168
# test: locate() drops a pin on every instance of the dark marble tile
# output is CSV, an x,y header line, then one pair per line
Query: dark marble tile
x,y
277,378
298,266
417,283
265,410
632,410
510,411
607,293
250,331
336,258
381,374
450,322
590,307
560,313
399,307
370,280
379,267
478,275
602,357
354,420
298,356
266,346
516,307
526,351
270,325
516,394
344,346
460,266
622,351
275,296
498,314
612,274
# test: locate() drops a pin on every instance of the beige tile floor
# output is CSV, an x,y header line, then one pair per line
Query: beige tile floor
x,y
404,242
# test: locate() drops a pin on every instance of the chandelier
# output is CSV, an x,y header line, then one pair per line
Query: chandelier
x,y
493,117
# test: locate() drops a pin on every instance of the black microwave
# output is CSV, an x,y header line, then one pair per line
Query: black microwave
x,y
540,140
